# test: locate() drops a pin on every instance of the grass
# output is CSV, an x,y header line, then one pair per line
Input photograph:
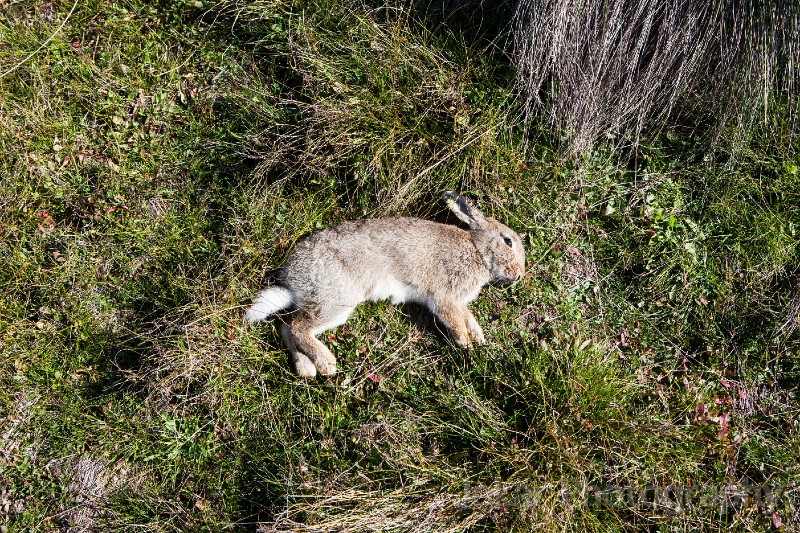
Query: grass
x,y
620,71
159,160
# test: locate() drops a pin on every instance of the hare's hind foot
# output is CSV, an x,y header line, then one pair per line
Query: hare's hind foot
x,y
302,364
310,355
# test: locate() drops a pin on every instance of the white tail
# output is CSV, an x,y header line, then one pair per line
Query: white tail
x,y
269,301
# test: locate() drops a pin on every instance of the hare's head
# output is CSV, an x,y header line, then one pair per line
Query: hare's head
x,y
500,246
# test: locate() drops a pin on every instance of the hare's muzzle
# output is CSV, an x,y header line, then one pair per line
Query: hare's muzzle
x,y
507,279
518,273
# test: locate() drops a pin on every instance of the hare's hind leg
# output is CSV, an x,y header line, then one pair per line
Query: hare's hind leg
x,y
302,364
308,351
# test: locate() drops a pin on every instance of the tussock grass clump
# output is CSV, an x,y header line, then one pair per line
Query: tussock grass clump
x,y
625,68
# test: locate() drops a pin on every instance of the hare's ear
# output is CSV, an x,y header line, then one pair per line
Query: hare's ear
x,y
465,211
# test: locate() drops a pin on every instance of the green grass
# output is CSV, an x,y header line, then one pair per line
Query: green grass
x,y
159,160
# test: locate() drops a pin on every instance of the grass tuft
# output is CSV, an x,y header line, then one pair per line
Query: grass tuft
x,y
621,71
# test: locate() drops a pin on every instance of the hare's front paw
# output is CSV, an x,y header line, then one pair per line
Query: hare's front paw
x,y
475,330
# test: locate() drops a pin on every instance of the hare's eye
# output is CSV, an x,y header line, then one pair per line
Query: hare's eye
x,y
508,242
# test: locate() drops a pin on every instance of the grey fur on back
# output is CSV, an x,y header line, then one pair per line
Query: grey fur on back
x,y
350,259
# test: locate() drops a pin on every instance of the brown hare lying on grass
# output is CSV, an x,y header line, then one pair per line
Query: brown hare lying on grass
x,y
437,265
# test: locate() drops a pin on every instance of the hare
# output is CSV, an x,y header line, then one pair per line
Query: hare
x,y
437,265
